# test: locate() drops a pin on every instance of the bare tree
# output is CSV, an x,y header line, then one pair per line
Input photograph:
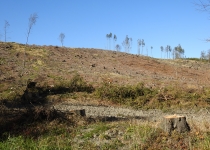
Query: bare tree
x,y
203,6
173,53
169,49
107,39
179,51
127,43
61,38
142,44
110,36
131,40
208,55
203,55
114,40
118,48
6,25
161,48
31,21
139,45
151,50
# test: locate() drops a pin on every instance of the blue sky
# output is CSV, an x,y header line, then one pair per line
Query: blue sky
x,y
85,23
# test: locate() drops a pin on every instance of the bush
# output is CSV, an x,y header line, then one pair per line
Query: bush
x,y
76,84
124,94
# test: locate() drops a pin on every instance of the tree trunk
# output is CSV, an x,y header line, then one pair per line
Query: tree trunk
x,y
175,122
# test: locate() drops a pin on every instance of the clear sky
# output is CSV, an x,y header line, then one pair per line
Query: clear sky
x,y
85,23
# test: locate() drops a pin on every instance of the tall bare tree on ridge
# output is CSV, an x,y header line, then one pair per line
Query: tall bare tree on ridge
x,y
114,40
127,43
139,45
142,44
179,51
118,47
110,36
161,48
107,39
6,25
31,22
61,38
151,50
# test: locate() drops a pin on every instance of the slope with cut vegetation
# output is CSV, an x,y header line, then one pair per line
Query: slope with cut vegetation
x,y
93,78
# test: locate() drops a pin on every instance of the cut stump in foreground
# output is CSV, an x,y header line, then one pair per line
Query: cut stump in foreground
x,y
175,122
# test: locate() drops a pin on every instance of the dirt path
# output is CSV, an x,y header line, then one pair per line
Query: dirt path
x,y
199,118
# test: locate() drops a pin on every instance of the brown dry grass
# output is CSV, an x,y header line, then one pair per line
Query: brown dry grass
x,y
50,63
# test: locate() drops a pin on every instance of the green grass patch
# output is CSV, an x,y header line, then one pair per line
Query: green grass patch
x,y
9,95
198,60
102,135
88,132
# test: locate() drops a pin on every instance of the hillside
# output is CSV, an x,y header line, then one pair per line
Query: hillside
x,y
124,96
46,63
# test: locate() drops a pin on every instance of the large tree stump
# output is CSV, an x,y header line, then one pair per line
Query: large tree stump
x,y
175,122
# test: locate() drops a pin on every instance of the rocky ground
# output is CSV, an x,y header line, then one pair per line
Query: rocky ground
x,y
195,118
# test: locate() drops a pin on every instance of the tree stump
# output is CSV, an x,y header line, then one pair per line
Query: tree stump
x,y
175,122
80,112
31,93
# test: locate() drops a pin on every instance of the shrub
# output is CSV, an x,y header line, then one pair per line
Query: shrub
x,y
125,94
76,84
